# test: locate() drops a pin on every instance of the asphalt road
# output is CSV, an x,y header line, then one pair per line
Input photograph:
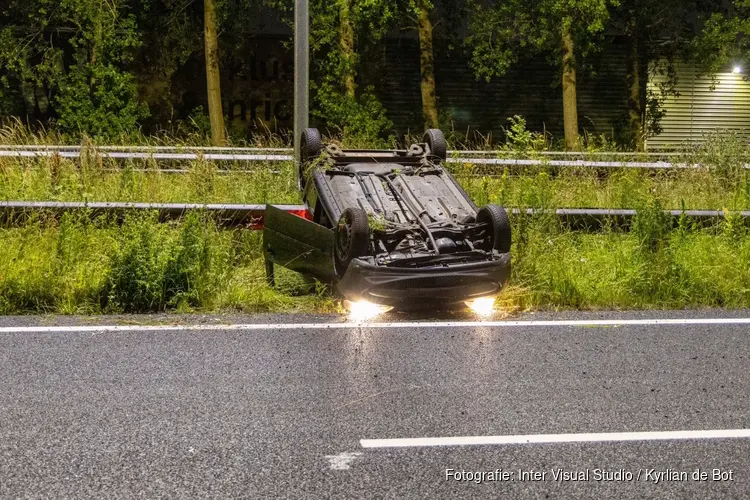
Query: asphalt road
x,y
280,412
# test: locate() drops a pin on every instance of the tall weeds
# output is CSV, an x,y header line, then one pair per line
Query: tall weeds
x,y
78,265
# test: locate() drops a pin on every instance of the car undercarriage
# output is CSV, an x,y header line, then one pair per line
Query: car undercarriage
x,y
396,224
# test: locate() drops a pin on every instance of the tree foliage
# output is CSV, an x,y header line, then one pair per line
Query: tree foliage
x,y
501,30
106,67
341,101
341,32
566,30
74,53
725,39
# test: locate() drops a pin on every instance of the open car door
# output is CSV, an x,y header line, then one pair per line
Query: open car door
x,y
297,244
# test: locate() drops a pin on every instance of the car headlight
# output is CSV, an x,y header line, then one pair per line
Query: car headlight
x,y
483,306
362,310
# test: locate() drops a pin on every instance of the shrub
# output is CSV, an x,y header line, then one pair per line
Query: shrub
x,y
136,280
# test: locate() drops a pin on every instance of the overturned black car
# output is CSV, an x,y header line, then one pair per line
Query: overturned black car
x,y
390,227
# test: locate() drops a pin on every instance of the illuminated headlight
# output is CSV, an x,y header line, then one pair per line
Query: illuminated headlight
x,y
482,306
362,310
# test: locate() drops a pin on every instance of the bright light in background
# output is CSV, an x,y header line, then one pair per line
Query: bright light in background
x,y
483,306
363,310
737,70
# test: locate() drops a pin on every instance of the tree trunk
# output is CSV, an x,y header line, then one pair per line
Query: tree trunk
x,y
213,82
635,102
346,43
570,107
96,45
427,67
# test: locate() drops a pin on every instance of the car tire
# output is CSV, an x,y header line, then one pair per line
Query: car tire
x,y
310,146
435,141
497,235
352,238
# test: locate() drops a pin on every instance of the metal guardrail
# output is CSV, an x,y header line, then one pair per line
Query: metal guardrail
x,y
227,215
149,156
219,171
235,215
505,162
500,152
453,152
55,147
509,162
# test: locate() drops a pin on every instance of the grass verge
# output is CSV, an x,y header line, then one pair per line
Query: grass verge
x,y
100,179
79,267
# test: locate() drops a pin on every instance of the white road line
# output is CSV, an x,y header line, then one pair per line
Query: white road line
x,y
374,325
554,438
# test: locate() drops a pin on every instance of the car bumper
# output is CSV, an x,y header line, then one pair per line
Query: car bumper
x,y
417,288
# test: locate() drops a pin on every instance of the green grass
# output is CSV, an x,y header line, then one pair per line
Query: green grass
x,y
722,182
649,267
81,266
14,132
77,266
107,180
622,188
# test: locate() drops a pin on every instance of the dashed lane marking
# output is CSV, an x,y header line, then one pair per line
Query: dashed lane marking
x,y
554,438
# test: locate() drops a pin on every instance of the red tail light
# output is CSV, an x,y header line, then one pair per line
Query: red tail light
x,y
257,223
305,214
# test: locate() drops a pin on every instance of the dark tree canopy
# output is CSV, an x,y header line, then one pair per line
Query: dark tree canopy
x,y
114,68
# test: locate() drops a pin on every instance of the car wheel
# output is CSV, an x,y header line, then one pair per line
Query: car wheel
x,y
352,238
497,235
435,140
311,145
